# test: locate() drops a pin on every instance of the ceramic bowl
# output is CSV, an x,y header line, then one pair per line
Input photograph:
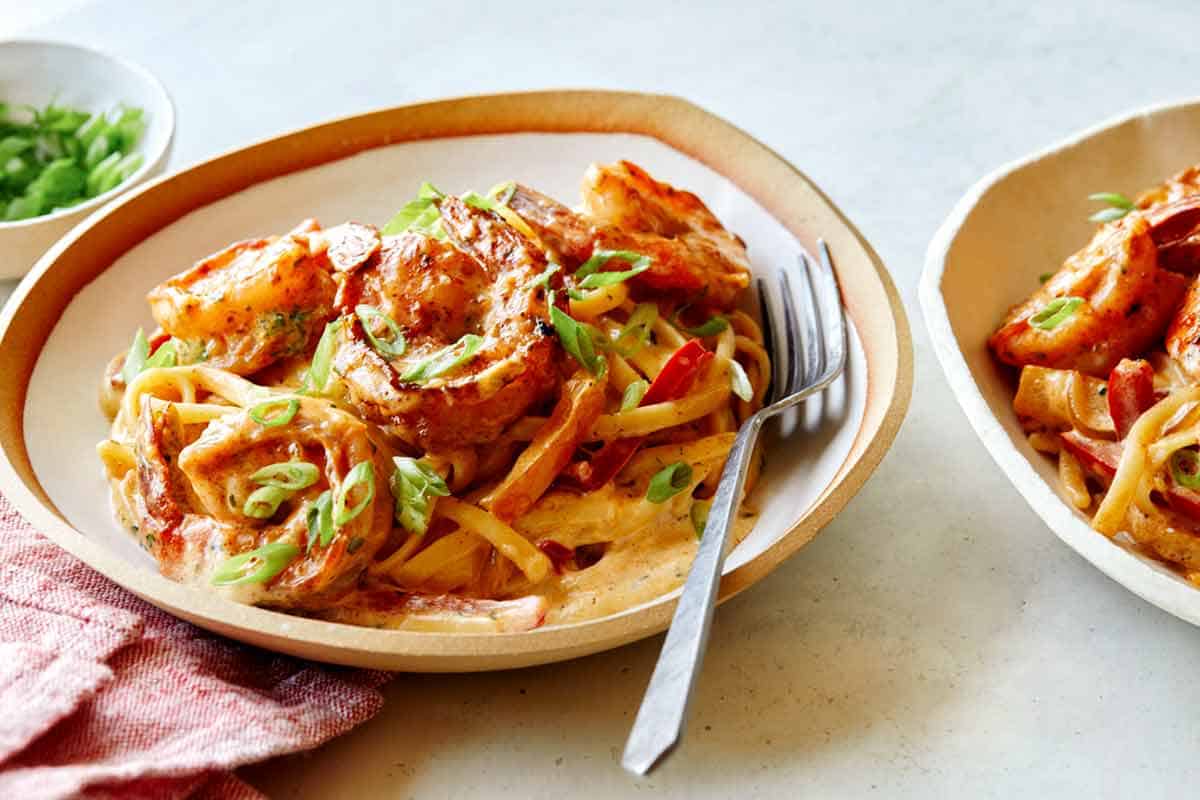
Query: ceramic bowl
x,y
1015,224
85,297
36,72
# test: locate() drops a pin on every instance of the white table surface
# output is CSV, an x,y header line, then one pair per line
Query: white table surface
x,y
936,639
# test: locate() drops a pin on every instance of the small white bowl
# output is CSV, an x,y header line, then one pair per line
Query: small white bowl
x,y
1022,220
36,72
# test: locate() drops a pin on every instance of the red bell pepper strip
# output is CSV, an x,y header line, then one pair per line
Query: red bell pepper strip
x,y
1101,457
1130,393
672,382
558,553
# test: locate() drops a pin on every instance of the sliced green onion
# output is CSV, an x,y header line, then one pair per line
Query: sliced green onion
x,y
363,474
392,347
420,215
290,475
135,359
413,482
710,327
1119,206
257,566
577,341
1055,313
445,360
322,362
264,502
597,280
476,200
276,412
1108,215
636,332
699,515
601,257
575,294
165,356
502,193
739,381
320,519
668,482
1114,199
543,280
1185,468
634,393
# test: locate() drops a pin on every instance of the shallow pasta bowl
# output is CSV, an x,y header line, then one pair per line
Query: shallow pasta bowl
x,y
1013,225
83,299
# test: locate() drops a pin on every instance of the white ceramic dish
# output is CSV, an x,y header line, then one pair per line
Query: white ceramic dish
x,y
34,72
1015,224
85,297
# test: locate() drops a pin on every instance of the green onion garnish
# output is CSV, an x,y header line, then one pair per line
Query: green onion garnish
x,y
445,360
636,332
1185,468
577,341
1118,206
165,356
739,381
420,215
634,393
413,482
257,566
317,377
264,501
543,279
710,327
320,519
290,475
639,262
276,412
502,193
699,515
1045,276
394,345
476,200
1055,313
596,280
668,482
135,360
57,157
363,474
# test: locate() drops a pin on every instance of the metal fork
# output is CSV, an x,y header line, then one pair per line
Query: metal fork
x,y
802,366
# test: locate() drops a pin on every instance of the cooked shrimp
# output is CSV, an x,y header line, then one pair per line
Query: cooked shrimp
x,y
190,498
626,209
1127,301
1185,184
250,304
481,284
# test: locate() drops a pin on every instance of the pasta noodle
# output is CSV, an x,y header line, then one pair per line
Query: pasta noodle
x,y
438,428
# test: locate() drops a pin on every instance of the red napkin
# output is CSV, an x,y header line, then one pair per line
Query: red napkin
x,y
103,695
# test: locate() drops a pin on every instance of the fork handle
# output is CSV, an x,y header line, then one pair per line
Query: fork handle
x,y
663,712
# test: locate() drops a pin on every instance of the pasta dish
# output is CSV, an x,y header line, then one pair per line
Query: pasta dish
x,y
494,413
1109,356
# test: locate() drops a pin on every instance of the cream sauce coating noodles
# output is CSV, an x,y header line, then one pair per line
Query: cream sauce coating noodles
x,y
495,414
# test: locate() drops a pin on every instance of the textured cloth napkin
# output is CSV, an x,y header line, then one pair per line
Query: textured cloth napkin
x,y
103,695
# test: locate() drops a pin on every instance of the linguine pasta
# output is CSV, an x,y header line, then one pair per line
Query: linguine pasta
x,y
493,414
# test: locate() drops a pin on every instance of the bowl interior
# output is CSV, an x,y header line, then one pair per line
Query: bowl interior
x,y
36,73
1014,226
62,419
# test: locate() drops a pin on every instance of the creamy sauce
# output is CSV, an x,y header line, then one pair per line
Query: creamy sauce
x,y
634,570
